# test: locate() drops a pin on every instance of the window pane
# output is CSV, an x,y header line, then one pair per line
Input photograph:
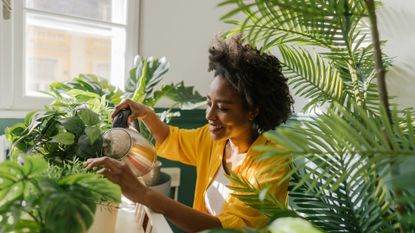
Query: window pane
x,y
58,51
103,10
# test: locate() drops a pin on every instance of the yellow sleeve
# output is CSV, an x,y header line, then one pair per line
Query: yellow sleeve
x,y
184,145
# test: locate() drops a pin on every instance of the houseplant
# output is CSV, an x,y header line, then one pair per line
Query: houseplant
x,y
348,162
72,125
57,140
40,197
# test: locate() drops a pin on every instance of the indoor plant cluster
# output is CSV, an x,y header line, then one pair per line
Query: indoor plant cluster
x,y
348,162
44,188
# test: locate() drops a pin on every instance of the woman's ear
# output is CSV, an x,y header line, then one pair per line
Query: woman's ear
x,y
253,114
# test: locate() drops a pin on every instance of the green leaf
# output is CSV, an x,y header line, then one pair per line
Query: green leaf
x,y
73,125
85,149
14,132
145,76
99,186
89,117
17,181
184,97
66,208
93,133
81,95
64,138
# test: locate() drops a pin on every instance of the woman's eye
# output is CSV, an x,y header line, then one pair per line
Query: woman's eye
x,y
222,109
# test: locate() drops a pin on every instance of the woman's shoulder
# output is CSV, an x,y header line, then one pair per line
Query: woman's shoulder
x,y
266,151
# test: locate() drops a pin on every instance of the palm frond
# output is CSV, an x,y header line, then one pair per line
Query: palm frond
x,y
317,22
335,26
311,76
257,196
352,207
364,149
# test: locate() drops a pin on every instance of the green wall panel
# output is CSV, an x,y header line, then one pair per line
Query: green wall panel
x,y
6,122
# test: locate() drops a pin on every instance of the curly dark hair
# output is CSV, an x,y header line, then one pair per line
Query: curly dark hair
x,y
256,76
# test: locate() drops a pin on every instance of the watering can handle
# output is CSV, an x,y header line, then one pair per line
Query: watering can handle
x,y
121,119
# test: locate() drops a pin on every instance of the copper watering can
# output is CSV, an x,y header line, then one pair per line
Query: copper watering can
x,y
127,144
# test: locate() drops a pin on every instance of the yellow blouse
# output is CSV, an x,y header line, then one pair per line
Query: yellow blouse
x,y
195,147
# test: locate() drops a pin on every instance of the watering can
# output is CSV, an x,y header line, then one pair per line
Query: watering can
x,y
127,144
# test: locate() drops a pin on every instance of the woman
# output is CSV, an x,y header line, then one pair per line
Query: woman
x,y
248,96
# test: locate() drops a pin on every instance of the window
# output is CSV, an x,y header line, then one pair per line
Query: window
x,y
55,40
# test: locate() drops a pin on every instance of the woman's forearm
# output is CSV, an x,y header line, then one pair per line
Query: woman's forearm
x,y
158,128
188,219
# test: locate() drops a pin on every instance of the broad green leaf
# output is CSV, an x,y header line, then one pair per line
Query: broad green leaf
x,y
81,95
66,208
73,125
17,181
89,117
85,149
93,133
100,187
64,138
145,76
184,97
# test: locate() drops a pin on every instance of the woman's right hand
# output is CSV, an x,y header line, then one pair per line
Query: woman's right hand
x,y
120,173
157,128
138,110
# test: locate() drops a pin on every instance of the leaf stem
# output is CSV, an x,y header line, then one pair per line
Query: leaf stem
x,y
383,94
380,69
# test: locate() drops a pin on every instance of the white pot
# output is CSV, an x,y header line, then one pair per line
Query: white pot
x,y
105,219
163,185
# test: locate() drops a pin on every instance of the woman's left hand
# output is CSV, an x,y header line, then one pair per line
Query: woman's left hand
x,y
120,173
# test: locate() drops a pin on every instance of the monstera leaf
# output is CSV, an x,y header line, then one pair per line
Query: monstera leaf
x,y
36,197
18,180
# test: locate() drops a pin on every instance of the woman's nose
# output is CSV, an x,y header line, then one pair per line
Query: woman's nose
x,y
210,113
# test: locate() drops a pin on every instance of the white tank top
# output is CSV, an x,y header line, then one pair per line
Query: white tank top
x,y
217,193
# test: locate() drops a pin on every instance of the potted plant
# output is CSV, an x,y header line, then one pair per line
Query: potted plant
x,y
37,196
347,166
48,149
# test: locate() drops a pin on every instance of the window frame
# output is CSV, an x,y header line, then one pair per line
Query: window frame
x,y
14,103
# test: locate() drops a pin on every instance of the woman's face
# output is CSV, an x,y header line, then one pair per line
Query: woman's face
x,y
227,116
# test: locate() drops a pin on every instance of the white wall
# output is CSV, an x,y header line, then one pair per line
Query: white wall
x,y
181,30
397,26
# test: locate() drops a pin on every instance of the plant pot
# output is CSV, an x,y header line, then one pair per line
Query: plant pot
x,y
163,185
153,177
105,219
